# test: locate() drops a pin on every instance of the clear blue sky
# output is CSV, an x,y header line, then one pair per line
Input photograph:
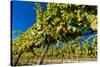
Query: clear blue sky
x,y
23,15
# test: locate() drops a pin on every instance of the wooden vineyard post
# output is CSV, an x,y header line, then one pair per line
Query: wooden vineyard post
x,y
43,55
16,61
